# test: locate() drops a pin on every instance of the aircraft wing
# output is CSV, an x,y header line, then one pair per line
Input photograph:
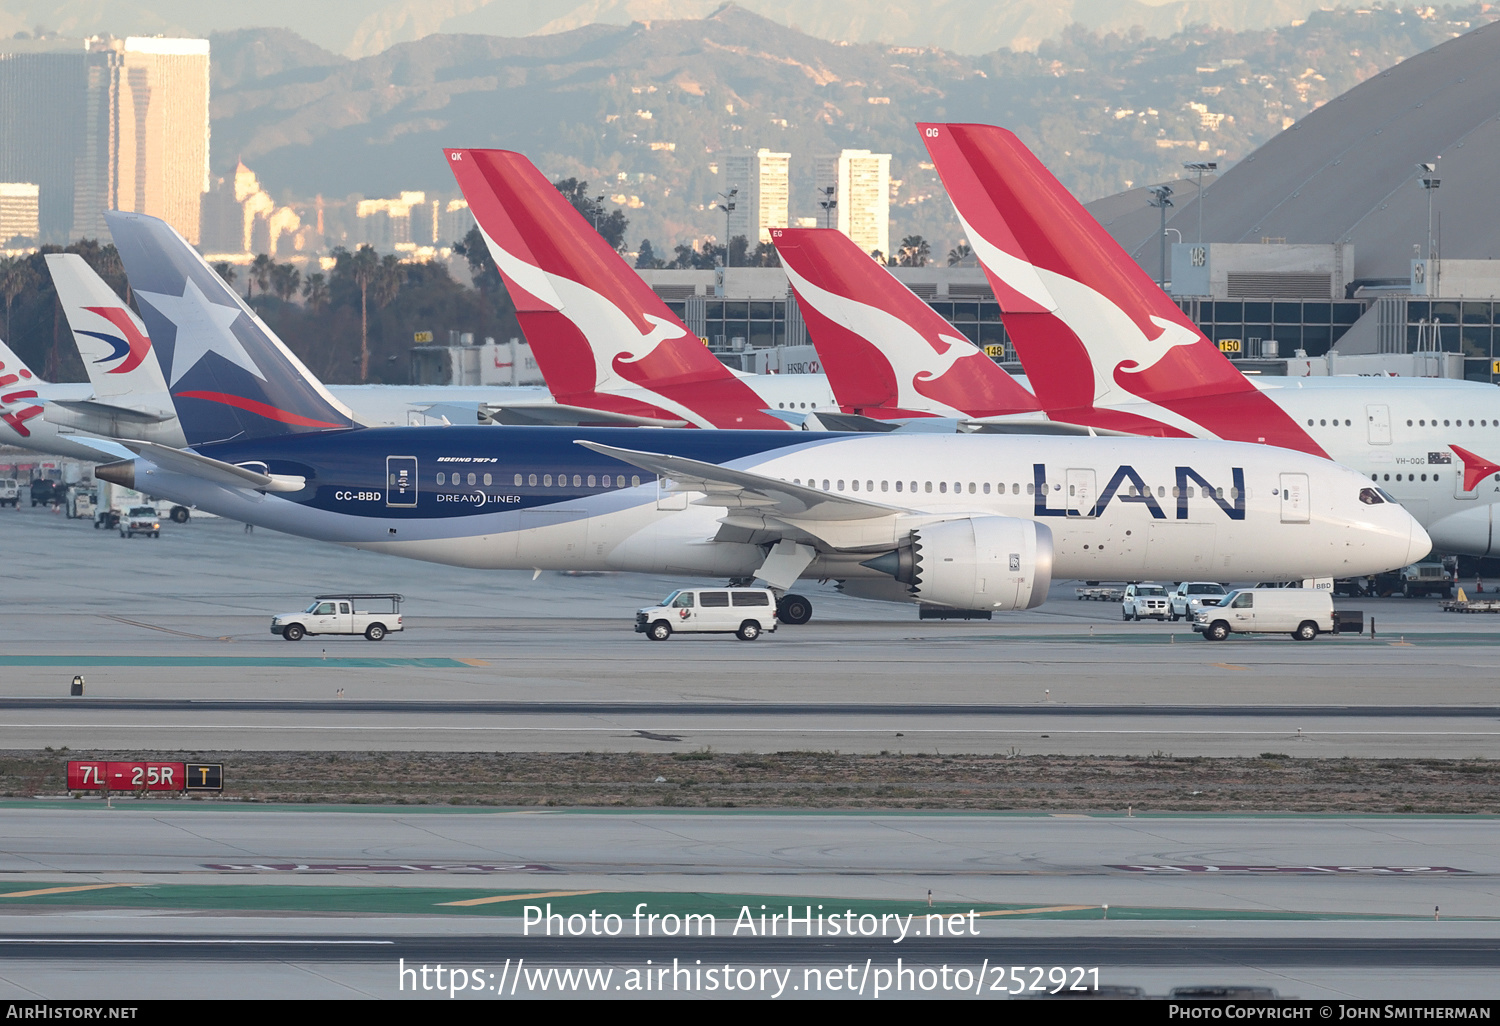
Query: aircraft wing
x,y
739,489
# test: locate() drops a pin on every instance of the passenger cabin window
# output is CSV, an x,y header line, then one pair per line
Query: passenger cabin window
x,y
684,600
1244,601
324,609
442,478
714,599
749,598
343,607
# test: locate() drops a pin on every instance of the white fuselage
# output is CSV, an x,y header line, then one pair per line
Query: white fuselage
x,y
1102,523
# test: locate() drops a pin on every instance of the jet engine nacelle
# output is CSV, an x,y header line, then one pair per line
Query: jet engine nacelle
x,y
975,563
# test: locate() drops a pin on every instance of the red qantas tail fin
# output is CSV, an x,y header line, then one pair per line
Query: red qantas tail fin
x,y
1092,329
886,351
601,337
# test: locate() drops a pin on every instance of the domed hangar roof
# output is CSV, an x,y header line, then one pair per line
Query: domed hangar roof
x,y
1348,171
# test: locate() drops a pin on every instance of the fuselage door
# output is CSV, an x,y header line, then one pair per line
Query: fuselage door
x,y
401,481
1296,506
1081,493
1378,416
1459,473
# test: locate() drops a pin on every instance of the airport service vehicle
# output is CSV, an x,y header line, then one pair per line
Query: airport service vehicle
x,y
1104,346
140,520
44,492
1300,612
374,616
1190,596
1427,578
81,502
1143,600
1093,591
747,613
902,517
10,492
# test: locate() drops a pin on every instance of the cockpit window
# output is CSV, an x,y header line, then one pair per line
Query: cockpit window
x,y
1388,497
1371,496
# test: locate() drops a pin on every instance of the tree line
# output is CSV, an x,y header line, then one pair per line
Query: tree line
x,y
356,321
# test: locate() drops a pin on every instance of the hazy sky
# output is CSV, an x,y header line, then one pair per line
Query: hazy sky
x,y
362,27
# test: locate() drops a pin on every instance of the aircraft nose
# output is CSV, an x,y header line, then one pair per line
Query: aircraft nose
x,y
1420,544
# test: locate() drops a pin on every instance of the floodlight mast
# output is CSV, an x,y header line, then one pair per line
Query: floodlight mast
x,y
1161,198
1201,167
1430,184
728,207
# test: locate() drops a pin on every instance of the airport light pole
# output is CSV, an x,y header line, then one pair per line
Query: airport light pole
x,y
1430,184
1161,198
1201,167
829,203
728,207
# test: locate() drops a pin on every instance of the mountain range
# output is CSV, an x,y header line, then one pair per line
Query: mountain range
x,y
646,111
363,28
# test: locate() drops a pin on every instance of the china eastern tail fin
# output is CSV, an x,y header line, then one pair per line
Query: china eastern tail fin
x,y
112,340
885,350
228,374
1098,338
601,337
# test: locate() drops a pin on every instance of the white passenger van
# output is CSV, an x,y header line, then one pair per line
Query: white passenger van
x,y
743,612
1303,613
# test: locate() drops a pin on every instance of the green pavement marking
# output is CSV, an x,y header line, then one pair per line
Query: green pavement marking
x,y
726,908
430,662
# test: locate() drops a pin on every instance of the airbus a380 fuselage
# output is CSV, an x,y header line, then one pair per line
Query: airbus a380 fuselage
x,y
501,497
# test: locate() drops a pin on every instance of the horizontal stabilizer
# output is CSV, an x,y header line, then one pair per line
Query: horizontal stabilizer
x,y
185,461
121,413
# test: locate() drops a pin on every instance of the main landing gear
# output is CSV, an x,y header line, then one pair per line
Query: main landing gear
x,y
794,609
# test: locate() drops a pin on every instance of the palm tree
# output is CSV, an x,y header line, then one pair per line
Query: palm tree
x,y
365,270
958,254
914,251
16,276
225,270
285,280
315,291
259,274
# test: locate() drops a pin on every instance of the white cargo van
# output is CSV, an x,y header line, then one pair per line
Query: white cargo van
x,y
744,612
1303,613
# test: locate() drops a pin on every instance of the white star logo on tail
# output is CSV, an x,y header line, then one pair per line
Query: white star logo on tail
x,y
203,327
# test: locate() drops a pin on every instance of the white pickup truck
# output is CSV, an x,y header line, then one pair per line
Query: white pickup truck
x,y
374,616
1191,596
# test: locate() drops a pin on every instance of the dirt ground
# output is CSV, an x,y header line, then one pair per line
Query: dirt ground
x,y
1273,782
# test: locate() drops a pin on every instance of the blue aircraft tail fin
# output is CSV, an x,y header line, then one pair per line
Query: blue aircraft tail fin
x,y
228,374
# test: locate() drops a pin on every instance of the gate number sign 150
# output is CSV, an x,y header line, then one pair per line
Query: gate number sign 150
x,y
148,776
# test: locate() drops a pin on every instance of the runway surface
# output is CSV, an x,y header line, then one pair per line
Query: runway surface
x,y
325,902
152,900
172,638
